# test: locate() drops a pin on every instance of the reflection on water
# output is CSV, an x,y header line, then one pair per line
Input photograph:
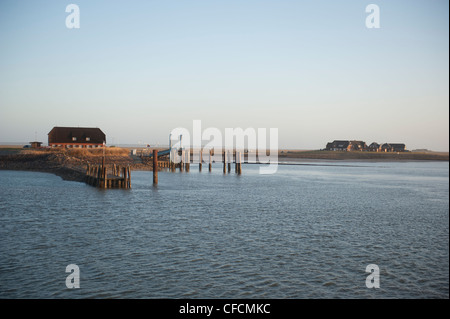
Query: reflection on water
x,y
306,232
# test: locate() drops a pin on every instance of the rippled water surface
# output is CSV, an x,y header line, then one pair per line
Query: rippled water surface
x,y
306,232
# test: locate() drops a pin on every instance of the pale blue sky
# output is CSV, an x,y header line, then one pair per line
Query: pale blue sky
x,y
138,69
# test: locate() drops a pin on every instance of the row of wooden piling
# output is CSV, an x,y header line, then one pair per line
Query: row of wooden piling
x,y
185,163
97,176
227,158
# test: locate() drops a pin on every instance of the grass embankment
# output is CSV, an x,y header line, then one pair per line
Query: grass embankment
x,y
80,152
70,164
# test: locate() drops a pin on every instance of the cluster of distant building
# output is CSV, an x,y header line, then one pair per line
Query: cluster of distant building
x,y
341,145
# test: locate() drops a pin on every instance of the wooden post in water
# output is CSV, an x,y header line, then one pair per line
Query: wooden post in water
x,y
229,160
155,167
124,174
172,165
188,160
171,159
182,160
238,163
224,162
95,176
200,161
129,177
105,177
88,171
98,173
210,161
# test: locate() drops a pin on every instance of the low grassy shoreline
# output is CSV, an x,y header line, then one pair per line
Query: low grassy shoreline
x,y
68,164
71,164
359,156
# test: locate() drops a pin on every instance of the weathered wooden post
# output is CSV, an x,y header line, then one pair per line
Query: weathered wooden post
x,y
155,167
229,160
210,161
188,160
129,177
182,160
239,163
224,162
124,174
105,177
171,160
95,176
200,161
99,176
88,170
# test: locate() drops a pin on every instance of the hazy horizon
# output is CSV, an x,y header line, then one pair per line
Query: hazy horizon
x,y
311,69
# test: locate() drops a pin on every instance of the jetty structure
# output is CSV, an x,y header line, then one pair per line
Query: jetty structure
x,y
97,176
173,158
179,158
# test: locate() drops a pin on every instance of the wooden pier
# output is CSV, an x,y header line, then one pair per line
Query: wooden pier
x,y
183,162
120,177
97,176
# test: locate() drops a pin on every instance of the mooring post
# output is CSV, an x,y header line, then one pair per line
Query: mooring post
x,y
105,178
200,161
171,159
155,167
129,177
238,163
124,174
94,176
88,169
229,160
182,160
210,161
99,176
224,162
188,160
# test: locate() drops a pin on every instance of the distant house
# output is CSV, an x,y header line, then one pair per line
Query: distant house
x,y
337,145
70,137
357,146
374,147
398,147
386,147
35,144
393,147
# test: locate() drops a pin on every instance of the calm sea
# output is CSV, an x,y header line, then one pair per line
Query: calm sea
x,y
308,231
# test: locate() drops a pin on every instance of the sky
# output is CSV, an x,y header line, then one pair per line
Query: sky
x,y
312,69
